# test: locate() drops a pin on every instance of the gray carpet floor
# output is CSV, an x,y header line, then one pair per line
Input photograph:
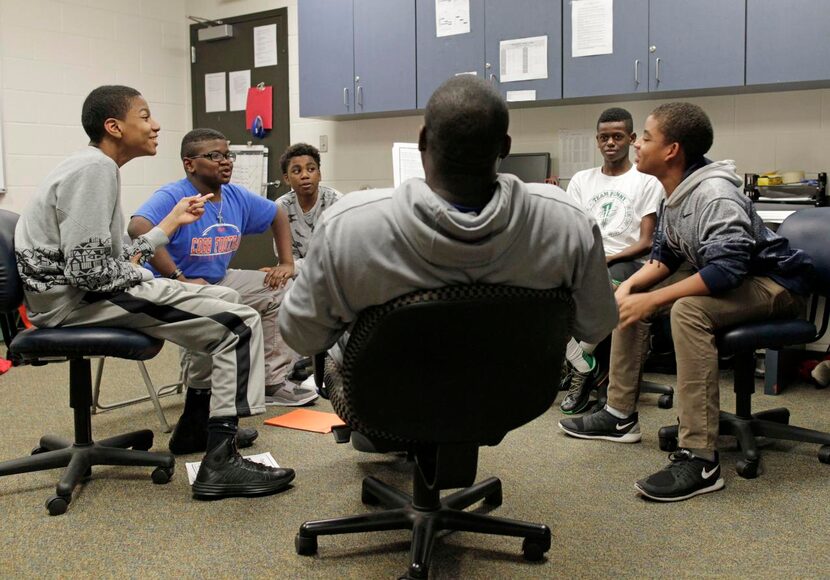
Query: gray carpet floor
x,y
121,525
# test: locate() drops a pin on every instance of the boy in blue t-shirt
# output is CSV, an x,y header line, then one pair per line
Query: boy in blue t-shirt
x,y
201,254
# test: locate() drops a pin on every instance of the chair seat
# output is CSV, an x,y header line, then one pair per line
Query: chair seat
x,y
36,343
771,334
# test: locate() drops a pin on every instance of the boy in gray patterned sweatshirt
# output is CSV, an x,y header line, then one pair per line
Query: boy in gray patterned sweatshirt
x,y
76,271
744,273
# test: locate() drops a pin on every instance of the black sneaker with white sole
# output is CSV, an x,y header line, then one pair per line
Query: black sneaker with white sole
x,y
603,425
686,476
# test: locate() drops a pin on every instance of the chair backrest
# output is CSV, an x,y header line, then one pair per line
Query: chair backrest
x,y
809,230
459,364
11,290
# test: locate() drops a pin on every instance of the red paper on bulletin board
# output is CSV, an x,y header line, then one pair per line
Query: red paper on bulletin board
x,y
261,103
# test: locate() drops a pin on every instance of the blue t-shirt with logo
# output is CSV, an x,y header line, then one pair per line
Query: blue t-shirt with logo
x,y
204,248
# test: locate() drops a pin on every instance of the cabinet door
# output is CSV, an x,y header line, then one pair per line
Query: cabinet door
x,y
326,57
525,19
384,55
696,44
622,72
787,41
440,58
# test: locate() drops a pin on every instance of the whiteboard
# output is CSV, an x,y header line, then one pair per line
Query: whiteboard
x,y
250,170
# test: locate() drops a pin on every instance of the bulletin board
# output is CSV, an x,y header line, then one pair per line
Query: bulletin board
x,y
225,62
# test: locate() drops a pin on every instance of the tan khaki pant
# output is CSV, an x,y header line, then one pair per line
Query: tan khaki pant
x,y
694,323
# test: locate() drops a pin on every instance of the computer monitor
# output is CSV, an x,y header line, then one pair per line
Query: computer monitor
x,y
529,167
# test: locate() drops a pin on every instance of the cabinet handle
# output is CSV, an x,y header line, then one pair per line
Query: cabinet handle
x,y
346,97
360,96
657,69
636,71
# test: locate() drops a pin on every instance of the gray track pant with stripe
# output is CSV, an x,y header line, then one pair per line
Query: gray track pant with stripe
x,y
203,319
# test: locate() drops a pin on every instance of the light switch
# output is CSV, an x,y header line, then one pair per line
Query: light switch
x,y
324,143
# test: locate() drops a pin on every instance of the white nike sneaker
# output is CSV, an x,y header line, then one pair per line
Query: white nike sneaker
x,y
603,425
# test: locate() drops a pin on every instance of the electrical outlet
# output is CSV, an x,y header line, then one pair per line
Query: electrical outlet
x,y
324,143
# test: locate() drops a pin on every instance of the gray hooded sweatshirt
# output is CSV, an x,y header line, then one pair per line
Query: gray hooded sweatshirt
x,y
373,246
708,222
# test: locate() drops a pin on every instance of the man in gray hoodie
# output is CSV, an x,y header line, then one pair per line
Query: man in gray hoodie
x,y
463,224
744,272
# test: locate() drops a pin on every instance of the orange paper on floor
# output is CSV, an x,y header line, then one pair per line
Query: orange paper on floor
x,y
307,420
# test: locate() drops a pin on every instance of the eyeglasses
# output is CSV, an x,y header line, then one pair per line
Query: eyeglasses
x,y
216,156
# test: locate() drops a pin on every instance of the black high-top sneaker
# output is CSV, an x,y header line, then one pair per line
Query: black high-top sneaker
x,y
225,473
190,434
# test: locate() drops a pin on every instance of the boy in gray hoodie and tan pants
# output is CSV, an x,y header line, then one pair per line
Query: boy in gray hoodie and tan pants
x,y
744,272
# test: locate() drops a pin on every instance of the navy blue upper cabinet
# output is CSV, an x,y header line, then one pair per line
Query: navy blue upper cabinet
x,y
696,45
356,56
326,57
440,58
787,41
519,19
622,72
478,51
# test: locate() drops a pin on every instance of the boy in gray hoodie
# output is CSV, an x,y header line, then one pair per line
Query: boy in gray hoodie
x,y
77,271
744,272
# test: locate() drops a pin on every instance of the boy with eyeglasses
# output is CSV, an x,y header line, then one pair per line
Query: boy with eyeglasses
x,y
201,253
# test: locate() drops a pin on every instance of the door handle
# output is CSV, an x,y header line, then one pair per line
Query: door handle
x,y
657,69
636,71
346,97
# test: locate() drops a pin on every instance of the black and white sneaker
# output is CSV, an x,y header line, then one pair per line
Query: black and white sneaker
x,y
603,425
686,476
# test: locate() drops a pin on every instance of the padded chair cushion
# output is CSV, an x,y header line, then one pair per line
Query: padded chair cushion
x,y
36,343
772,334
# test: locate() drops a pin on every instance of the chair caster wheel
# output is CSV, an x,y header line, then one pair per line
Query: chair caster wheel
x,y
665,401
305,546
668,443
747,469
57,505
534,550
162,475
824,454
494,499
38,450
367,497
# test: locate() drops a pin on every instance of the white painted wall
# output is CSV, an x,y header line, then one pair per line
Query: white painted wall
x,y
55,51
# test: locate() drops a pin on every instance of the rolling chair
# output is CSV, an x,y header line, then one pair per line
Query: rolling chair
x,y
427,370
806,230
77,345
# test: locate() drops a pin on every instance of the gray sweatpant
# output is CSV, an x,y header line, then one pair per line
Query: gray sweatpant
x,y
249,288
225,337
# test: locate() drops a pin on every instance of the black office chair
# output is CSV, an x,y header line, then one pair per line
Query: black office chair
x,y
430,371
77,345
806,229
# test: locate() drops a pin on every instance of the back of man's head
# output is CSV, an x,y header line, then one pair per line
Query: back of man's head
x,y
614,115
105,102
191,141
465,125
688,125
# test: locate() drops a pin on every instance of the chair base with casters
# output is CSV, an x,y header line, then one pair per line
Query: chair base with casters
x,y
743,423
82,454
153,394
426,514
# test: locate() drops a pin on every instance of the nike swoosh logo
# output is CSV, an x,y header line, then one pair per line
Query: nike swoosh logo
x,y
708,474
626,426
685,215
